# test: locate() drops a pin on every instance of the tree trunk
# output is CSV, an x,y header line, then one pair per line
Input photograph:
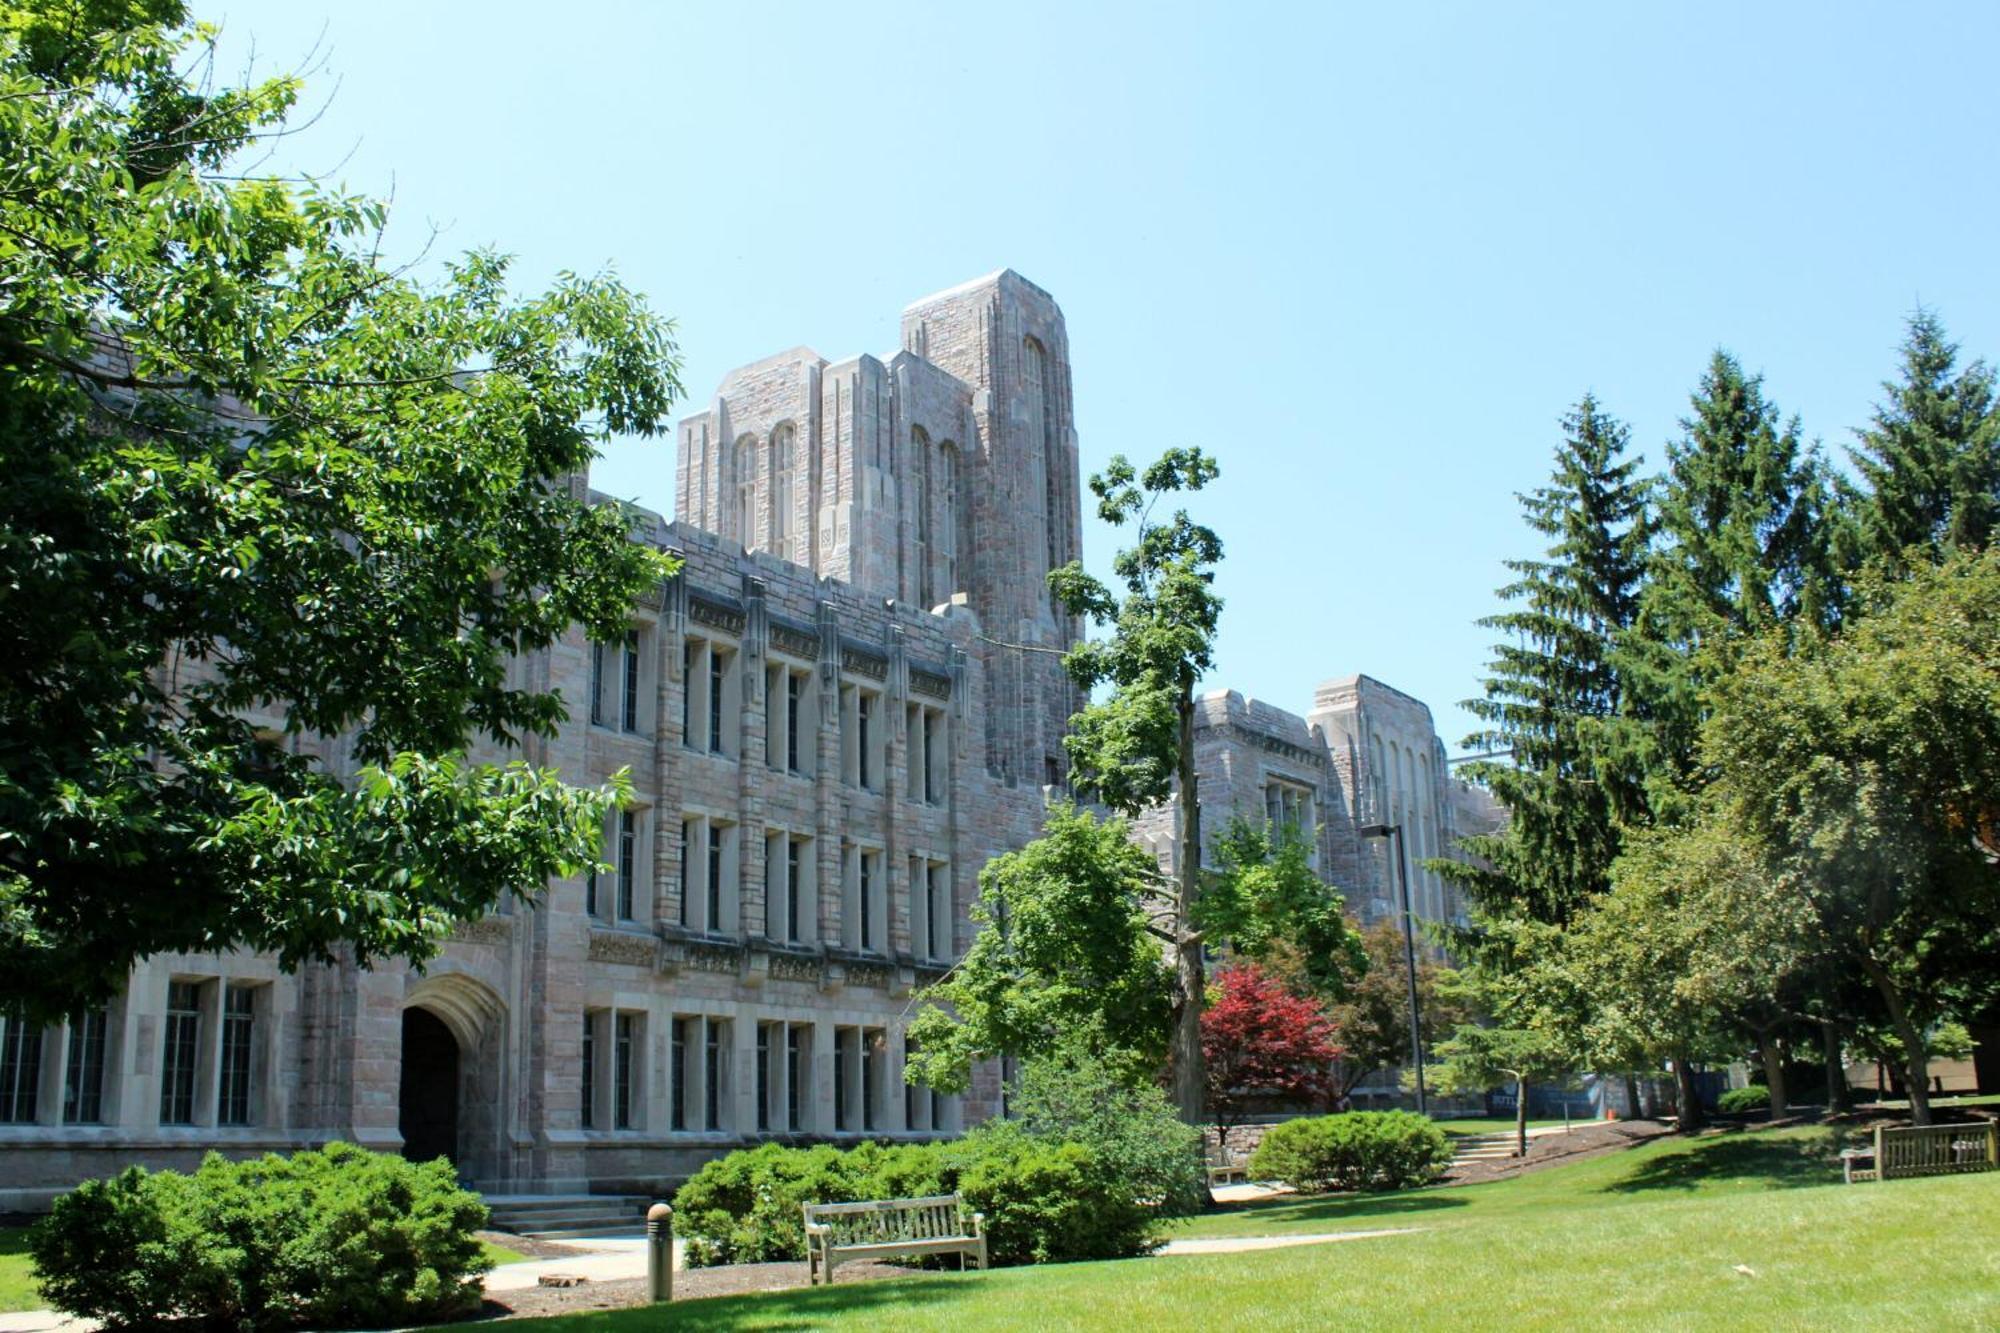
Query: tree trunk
x,y
1774,1073
1692,1116
1916,1061
1632,1107
1520,1117
1837,1098
1184,1065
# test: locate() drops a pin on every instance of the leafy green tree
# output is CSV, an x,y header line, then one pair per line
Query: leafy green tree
x,y
1134,747
1475,1057
1864,766
1264,898
254,470
1695,931
1371,1023
1931,458
1554,685
1064,957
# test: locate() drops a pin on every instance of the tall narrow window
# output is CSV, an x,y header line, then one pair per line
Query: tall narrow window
x,y
628,861
597,684
937,920
1035,393
715,666
684,872
83,1084
920,448
871,1062
864,712
628,717
746,491
911,1092
792,846
712,1082
867,900
687,692
947,542
239,1030
763,1078
781,490
714,921
793,683
20,1071
794,1074
182,1042
677,1103
843,1042
621,1106
588,1119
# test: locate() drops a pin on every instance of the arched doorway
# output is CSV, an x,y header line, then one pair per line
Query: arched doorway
x,y
428,1111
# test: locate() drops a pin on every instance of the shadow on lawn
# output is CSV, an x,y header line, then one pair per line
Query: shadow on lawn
x,y
1773,1163
799,1308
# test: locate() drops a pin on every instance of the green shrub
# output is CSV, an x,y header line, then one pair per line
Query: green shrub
x,y
1047,1202
1044,1202
1359,1150
1131,1129
1743,1101
335,1238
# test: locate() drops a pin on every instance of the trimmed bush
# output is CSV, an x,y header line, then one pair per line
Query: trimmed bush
x,y
335,1238
1744,1101
1358,1150
1044,1201
1074,1096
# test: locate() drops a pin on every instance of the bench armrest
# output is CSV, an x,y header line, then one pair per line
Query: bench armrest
x,y
979,1224
817,1228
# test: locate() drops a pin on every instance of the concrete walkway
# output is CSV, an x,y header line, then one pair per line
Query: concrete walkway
x,y
611,1259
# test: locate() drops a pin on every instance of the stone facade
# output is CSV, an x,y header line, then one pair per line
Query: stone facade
x,y
1367,754
847,701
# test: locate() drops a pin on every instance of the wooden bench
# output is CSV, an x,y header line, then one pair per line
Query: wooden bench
x,y
1924,1150
1224,1168
889,1228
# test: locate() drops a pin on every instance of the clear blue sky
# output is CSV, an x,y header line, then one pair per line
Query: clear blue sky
x,y
1366,256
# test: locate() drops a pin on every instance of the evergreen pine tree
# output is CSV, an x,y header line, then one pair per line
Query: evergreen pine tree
x,y
1553,683
1931,459
1743,523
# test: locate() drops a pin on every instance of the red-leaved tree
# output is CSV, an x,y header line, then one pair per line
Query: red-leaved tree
x,y
1259,1039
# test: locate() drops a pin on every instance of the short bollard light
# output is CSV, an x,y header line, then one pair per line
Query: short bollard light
x,y
660,1252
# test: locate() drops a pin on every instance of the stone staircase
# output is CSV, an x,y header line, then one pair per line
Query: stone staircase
x,y
1481,1148
569,1216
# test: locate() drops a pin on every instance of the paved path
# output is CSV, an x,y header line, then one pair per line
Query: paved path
x,y
611,1259
1237,1244
40,1321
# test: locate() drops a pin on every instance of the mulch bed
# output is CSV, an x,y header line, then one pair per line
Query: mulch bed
x,y
528,1247
1589,1138
694,1284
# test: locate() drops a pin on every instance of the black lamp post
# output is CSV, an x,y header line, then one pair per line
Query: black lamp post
x,y
1395,831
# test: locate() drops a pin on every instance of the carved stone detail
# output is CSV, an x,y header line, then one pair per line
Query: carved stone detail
x,y
796,642
863,663
930,684
486,930
715,615
617,946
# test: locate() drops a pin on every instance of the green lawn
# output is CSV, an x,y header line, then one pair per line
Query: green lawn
x,y
17,1280
500,1254
1648,1238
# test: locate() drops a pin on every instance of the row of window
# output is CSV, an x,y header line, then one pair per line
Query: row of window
x,y
713,695
701,1078
710,899
210,1052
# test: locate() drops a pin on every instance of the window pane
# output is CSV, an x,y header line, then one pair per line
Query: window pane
x,y
238,1019
20,1072
182,1039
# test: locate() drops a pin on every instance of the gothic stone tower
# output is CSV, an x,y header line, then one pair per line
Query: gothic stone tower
x,y
1004,338
950,469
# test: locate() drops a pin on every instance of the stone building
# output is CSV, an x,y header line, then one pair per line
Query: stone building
x,y
848,700
1367,754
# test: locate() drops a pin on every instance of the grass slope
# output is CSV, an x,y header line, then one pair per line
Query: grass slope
x,y
1650,1238
17,1277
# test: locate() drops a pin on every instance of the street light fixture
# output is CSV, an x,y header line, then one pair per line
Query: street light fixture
x,y
1395,831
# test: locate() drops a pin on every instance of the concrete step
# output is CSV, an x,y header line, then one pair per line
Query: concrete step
x,y
553,1216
